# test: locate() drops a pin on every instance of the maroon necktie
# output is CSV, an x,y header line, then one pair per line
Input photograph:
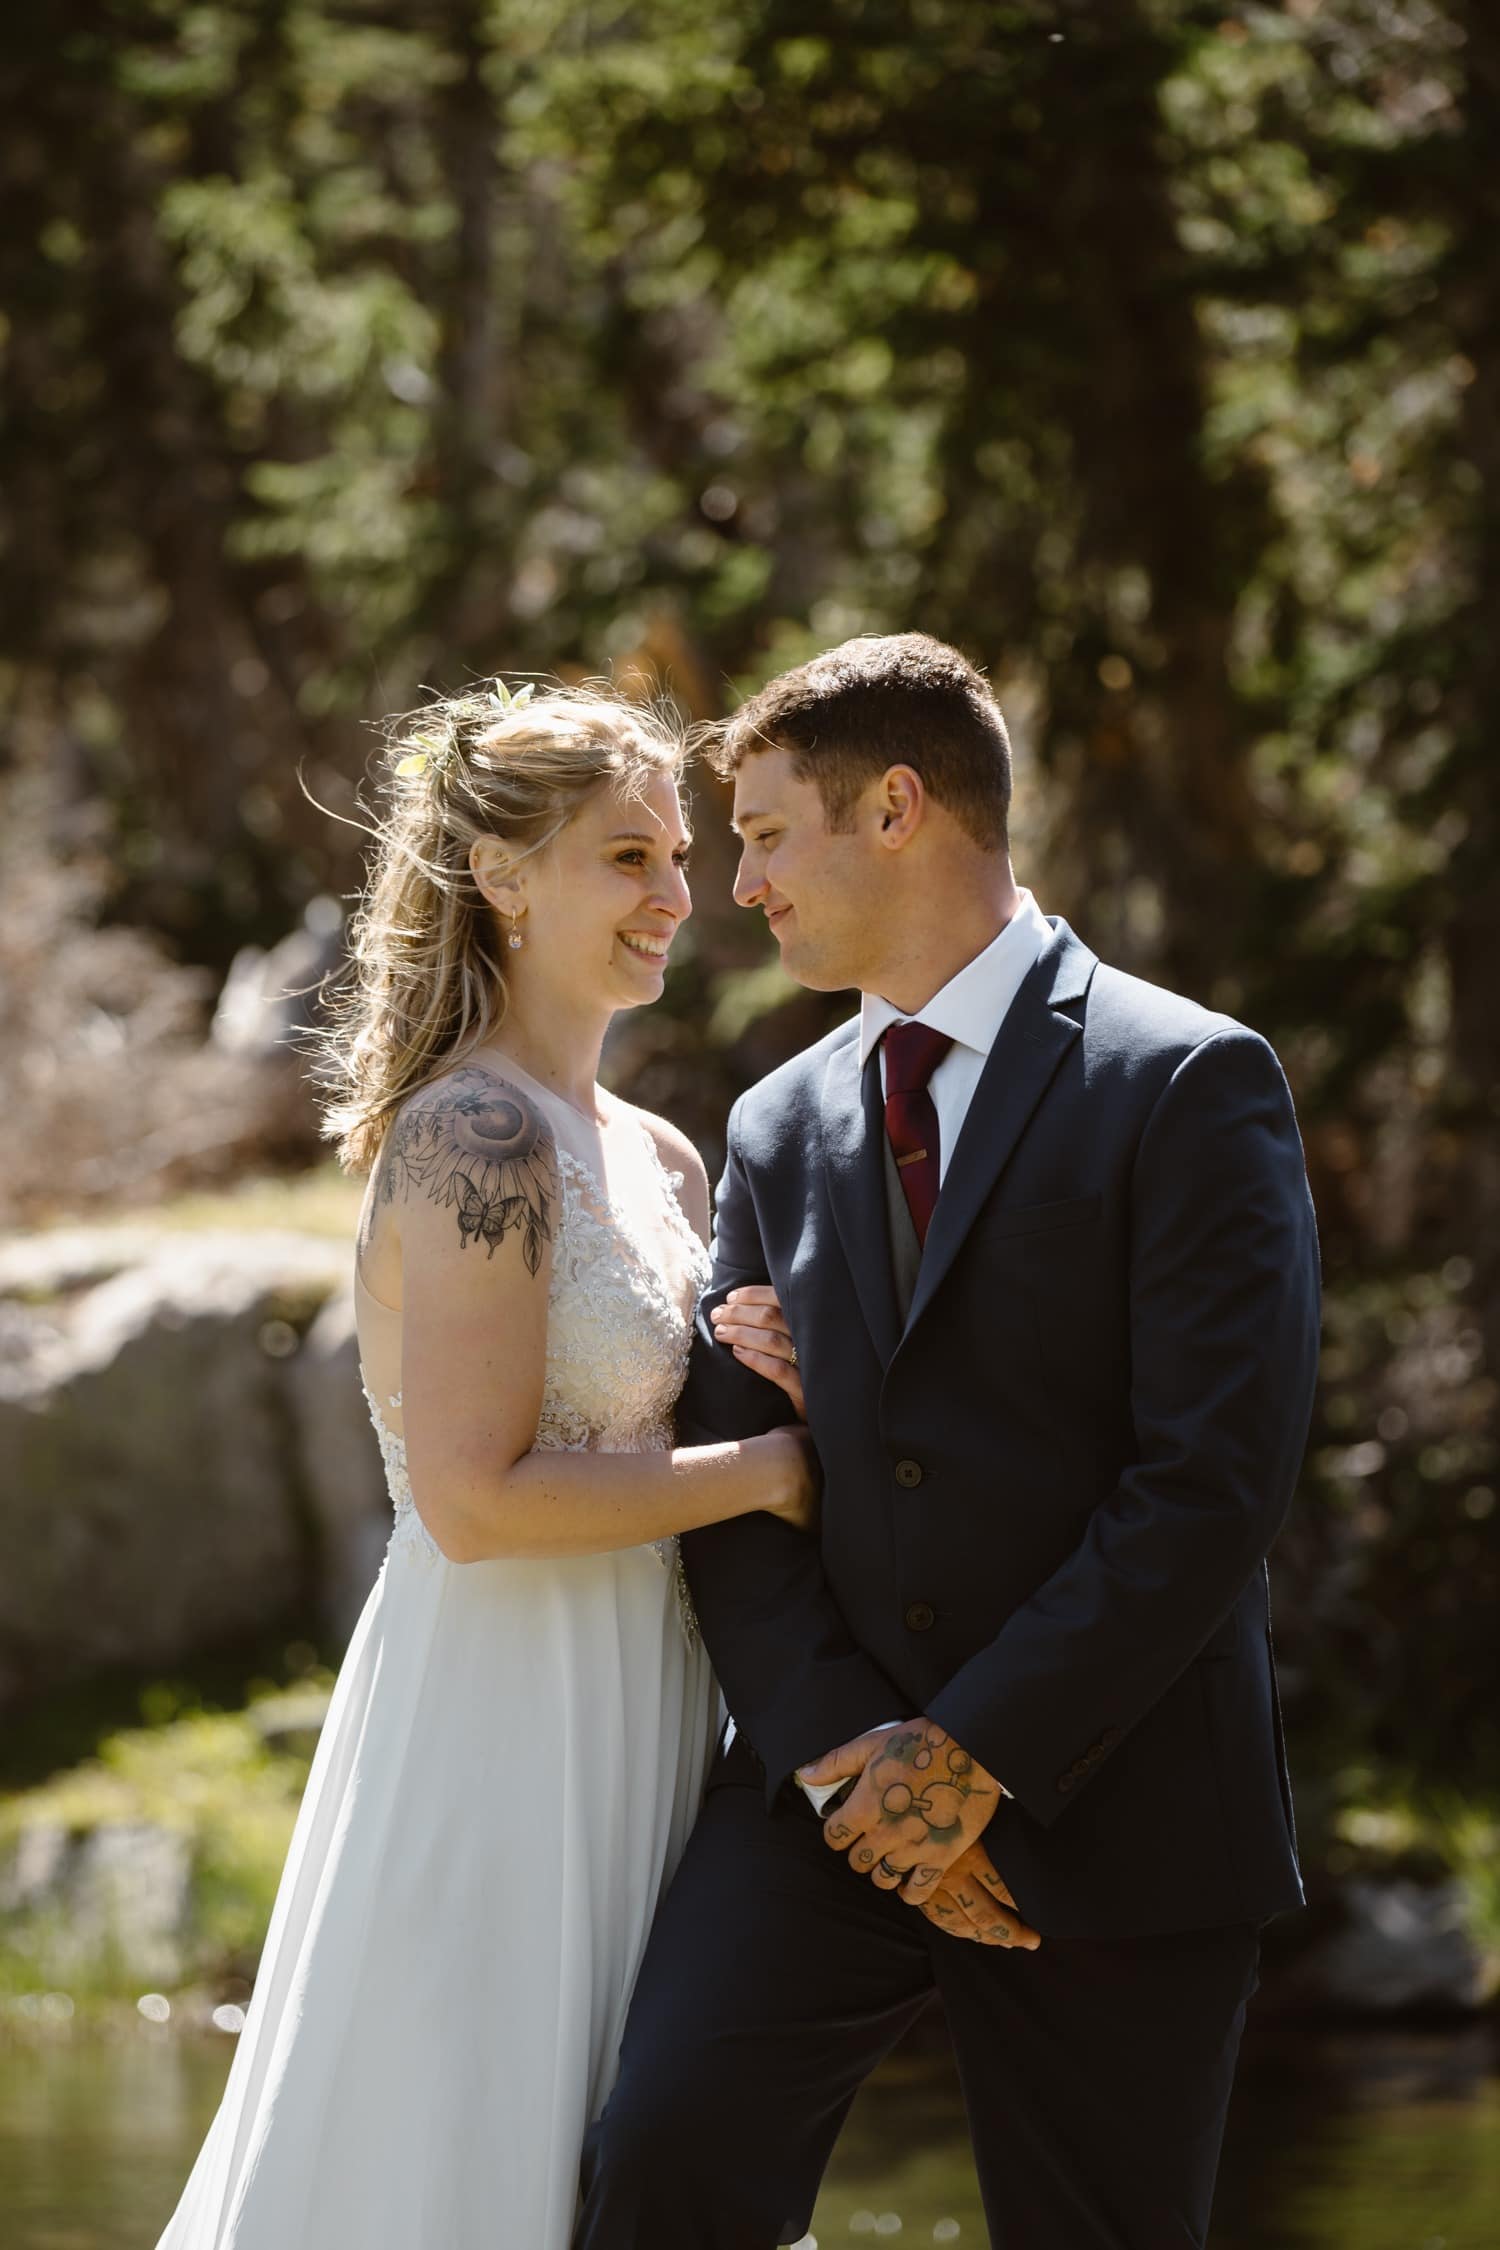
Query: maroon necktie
x,y
912,1053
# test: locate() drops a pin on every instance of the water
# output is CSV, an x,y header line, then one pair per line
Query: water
x,y
1368,2141
1374,2141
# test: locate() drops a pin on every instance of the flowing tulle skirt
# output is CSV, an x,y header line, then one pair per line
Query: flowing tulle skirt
x,y
508,1773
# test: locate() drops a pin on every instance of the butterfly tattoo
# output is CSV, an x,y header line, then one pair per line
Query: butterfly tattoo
x,y
486,1153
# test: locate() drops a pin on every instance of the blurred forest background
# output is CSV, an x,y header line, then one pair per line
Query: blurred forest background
x,y
1148,350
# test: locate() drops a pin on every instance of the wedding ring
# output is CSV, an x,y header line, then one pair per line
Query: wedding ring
x,y
794,1355
886,1868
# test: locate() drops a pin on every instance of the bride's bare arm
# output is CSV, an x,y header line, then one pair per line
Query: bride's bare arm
x,y
470,1171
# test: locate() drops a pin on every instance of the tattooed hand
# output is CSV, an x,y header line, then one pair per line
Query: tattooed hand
x,y
972,1902
919,1803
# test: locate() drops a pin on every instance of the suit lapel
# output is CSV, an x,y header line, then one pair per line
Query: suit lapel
x,y
853,1141
1037,1032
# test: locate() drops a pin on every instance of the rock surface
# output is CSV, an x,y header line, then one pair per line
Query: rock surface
x,y
116,1894
340,1463
1393,1947
171,1479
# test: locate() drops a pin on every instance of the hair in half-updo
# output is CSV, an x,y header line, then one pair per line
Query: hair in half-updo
x,y
425,979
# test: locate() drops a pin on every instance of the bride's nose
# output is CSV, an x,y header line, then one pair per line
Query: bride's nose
x,y
674,897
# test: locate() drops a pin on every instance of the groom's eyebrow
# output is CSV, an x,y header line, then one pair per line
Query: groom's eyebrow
x,y
744,820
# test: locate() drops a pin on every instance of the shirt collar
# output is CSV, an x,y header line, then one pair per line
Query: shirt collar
x,y
971,1007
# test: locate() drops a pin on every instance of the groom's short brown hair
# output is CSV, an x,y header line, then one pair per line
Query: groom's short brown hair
x,y
890,699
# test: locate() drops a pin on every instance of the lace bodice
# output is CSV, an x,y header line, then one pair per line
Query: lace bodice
x,y
619,1324
619,1317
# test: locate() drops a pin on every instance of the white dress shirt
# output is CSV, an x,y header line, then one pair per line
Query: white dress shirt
x,y
970,1008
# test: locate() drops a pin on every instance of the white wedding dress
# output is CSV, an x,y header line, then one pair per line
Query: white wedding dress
x,y
512,1761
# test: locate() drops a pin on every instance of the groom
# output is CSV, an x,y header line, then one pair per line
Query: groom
x,y
1042,1236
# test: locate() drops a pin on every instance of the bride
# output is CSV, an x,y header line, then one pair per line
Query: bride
x,y
519,1734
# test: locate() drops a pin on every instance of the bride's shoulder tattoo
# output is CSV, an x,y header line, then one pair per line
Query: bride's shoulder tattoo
x,y
478,1146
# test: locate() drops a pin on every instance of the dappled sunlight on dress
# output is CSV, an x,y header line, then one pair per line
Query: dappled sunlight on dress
x,y
512,1761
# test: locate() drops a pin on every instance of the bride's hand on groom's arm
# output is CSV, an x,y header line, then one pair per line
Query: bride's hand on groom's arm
x,y
751,1324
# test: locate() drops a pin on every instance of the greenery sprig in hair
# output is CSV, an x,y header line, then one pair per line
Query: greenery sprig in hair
x,y
436,752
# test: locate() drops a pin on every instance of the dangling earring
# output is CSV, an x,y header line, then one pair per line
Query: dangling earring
x,y
515,941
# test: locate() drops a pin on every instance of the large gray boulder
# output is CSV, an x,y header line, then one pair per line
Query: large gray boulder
x,y
167,1483
340,1463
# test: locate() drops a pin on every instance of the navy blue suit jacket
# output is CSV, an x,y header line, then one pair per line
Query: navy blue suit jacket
x,y
1048,1496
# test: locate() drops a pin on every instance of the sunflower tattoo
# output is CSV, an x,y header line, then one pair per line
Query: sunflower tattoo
x,y
484,1151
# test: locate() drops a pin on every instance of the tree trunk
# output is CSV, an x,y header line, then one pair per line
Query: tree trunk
x,y
1473,928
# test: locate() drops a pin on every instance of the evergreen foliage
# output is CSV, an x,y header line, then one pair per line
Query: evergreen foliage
x,y
1150,351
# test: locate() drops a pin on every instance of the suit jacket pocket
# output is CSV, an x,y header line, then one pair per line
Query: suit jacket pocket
x,y
1041,1218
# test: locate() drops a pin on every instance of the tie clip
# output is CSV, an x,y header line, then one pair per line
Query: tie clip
x,y
917,1156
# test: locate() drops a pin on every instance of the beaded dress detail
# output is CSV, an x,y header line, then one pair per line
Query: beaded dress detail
x,y
619,1327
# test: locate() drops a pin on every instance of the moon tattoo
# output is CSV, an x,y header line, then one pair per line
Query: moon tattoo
x,y
483,1151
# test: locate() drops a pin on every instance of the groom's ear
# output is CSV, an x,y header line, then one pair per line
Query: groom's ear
x,y
902,804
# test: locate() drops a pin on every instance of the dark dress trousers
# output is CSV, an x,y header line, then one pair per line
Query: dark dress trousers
x,y
1051,1482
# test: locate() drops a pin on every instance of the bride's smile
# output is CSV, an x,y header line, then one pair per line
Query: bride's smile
x,y
590,916
649,948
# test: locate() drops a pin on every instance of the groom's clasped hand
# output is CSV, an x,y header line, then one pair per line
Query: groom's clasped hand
x,y
914,1819
920,1803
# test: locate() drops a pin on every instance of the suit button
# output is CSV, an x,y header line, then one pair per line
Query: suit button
x,y
908,1473
1064,1784
920,1616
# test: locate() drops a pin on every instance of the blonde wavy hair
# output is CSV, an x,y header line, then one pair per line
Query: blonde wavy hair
x,y
424,981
